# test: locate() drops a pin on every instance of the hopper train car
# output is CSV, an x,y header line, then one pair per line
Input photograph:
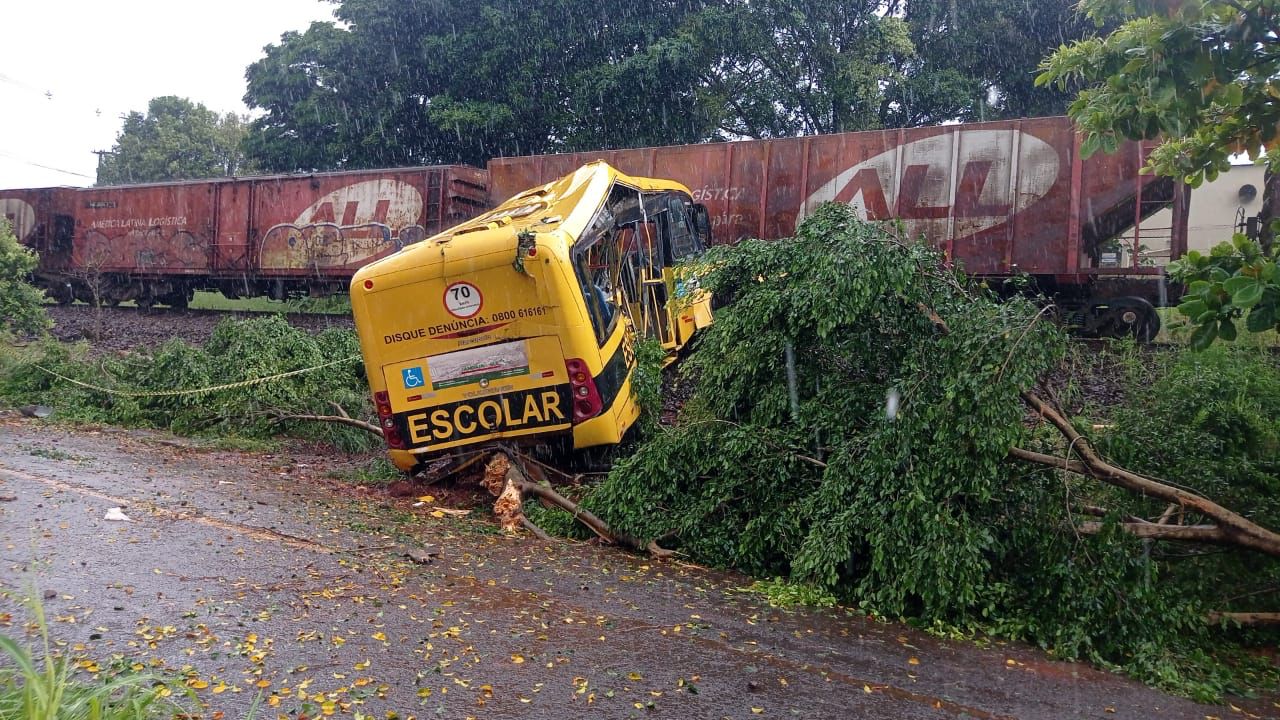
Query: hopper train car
x,y
1002,199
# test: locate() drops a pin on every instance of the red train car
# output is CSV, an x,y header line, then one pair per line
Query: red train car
x,y
1001,198
272,235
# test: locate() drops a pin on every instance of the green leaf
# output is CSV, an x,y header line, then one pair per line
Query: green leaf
x,y
1247,296
1227,330
1233,94
1261,319
1236,283
1204,335
1193,308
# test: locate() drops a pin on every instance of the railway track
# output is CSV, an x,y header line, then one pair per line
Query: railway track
x,y
114,329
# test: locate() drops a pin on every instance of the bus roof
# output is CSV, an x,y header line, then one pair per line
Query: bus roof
x,y
561,209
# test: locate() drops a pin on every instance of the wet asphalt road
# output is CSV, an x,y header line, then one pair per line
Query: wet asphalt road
x,y
260,577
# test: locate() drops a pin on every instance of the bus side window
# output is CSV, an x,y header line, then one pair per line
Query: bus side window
x,y
684,241
600,307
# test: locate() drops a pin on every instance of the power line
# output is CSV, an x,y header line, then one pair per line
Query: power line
x,y
24,161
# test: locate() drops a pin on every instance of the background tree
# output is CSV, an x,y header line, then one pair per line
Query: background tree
x,y
439,81
971,60
1205,76
21,304
175,139
432,81
800,67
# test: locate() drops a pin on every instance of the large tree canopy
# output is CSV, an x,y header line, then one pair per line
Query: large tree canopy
x,y
175,139
436,81
1204,76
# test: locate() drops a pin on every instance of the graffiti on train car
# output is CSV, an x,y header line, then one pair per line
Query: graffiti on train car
x,y
930,182
21,217
142,249
377,218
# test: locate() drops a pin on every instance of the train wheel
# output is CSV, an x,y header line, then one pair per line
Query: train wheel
x,y
1133,317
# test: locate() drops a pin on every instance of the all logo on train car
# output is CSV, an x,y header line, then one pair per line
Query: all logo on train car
x,y
995,173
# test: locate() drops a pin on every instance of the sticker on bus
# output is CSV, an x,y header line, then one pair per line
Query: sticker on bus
x,y
462,299
479,365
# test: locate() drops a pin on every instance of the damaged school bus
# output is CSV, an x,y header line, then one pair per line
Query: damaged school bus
x,y
521,324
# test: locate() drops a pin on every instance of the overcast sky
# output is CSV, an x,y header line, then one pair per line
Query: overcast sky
x,y
70,69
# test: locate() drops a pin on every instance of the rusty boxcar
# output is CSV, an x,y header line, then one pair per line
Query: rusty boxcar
x,y
1001,198
271,235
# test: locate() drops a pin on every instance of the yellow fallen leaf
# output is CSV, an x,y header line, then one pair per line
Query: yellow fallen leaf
x,y
263,683
362,665
866,688
913,661
380,636
437,514
634,676
199,684
757,710
426,498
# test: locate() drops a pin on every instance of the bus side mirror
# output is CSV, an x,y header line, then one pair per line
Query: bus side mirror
x,y
702,223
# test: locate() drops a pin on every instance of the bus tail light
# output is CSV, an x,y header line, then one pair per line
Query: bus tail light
x,y
386,421
586,399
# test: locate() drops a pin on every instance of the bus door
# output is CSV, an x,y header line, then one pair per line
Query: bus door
x,y
654,266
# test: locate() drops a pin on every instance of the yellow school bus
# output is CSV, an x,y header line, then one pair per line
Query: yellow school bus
x,y
521,324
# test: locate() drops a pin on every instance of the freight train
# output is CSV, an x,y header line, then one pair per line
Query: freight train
x,y
1003,200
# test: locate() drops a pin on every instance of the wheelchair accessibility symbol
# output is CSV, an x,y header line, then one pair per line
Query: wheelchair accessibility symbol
x,y
412,377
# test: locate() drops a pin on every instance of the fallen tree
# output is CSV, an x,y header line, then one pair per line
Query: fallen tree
x,y
870,421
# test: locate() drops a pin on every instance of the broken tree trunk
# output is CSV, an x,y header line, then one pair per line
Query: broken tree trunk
x,y
504,478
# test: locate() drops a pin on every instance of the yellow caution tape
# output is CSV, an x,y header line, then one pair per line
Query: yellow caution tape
x,y
196,391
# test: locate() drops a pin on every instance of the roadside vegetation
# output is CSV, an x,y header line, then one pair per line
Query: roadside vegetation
x,y
40,681
164,387
21,304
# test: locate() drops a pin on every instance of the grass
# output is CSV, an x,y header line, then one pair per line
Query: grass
x,y
332,305
50,689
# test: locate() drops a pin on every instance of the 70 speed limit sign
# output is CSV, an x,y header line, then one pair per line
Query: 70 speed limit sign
x,y
462,299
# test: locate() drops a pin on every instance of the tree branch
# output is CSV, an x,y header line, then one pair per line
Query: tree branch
x,y
1244,618
1189,533
339,419
1235,529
